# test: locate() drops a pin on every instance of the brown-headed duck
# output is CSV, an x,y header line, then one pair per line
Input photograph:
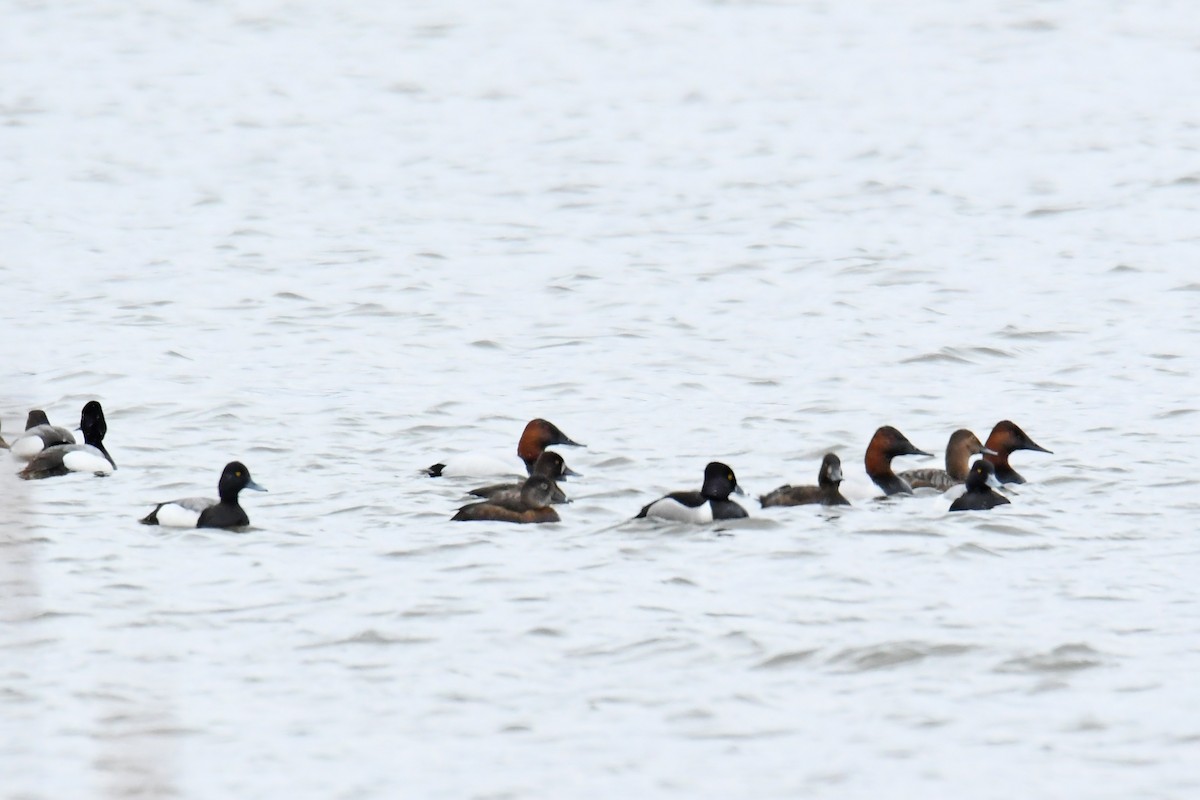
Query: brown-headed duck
x,y
886,444
963,444
1004,439
537,436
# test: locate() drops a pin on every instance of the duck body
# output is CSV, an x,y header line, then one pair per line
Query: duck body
x,y
39,434
549,465
535,438
962,445
204,512
710,503
63,459
532,505
980,495
827,492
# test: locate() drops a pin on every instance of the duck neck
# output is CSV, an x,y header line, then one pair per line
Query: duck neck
x,y
529,448
1006,474
958,463
879,468
91,439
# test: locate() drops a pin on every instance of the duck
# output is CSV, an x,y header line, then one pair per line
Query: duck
x,y
39,434
204,512
62,459
549,465
1004,439
886,444
826,492
532,506
537,436
3,444
710,503
979,495
962,445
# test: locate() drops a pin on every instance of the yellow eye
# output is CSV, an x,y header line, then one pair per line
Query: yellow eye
x,y
730,477
237,474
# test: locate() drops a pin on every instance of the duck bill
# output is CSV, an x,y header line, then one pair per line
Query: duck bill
x,y
254,486
993,481
1030,444
738,490
567,472
569,442
987,451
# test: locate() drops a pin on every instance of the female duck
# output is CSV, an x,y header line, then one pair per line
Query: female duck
x,y
979,495
886,444
203,512
963,444
549,465
711,502
826,492
61,459
39,434
533,505
1005,438
537,436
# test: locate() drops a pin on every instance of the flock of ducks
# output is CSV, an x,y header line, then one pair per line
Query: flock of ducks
x,y
51,451
530,501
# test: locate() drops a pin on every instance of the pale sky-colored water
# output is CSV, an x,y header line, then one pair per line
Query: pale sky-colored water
x,y
342,244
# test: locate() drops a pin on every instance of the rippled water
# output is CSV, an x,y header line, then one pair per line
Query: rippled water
x,y
342,243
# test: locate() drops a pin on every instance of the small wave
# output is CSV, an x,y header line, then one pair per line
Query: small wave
x,y
367,637
788,659
891,654
1065,658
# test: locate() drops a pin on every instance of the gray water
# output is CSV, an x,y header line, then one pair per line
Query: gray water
x,y
341,244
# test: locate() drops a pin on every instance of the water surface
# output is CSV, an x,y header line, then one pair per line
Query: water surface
x,y
340,244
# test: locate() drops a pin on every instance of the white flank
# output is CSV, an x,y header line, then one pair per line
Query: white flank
x,y
666,508
27,447
479,465
183,513
85,458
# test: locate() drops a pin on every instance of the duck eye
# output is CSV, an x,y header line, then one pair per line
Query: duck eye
x,y
730,477
237,474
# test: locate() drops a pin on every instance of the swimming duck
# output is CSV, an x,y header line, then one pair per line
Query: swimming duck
x,y
979,495
537,436
1004,439
533,505
826,492
549,465
61,459
962,445
204,512
39,434
711,502
886,444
